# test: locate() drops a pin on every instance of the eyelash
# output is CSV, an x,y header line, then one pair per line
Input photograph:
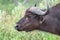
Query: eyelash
x,y
28,16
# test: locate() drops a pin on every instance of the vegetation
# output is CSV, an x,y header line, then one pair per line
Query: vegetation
x,y
10,14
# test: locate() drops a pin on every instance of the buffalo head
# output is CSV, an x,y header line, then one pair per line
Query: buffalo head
x,y
32,19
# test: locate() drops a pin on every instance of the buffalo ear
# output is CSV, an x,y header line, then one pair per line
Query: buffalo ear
x,y
41,21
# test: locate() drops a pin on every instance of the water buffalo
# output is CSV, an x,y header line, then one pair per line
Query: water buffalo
x,y
37,19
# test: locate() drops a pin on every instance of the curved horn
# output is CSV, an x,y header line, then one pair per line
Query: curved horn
x,y
35,5
47,10
38,11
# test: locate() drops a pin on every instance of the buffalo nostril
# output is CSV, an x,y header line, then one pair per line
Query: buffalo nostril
x,y
16,26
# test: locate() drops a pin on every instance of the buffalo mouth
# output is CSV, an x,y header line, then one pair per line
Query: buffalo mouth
x,y
22,30
16,27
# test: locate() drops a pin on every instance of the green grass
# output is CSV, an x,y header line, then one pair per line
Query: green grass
x,y
8,32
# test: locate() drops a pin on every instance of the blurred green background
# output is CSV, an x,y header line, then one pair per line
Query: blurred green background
x,y
13,10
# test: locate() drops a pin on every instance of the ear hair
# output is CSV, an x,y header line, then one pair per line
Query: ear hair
x,y
41,21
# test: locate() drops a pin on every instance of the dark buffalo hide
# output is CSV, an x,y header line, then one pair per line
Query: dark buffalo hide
x,y
35,20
